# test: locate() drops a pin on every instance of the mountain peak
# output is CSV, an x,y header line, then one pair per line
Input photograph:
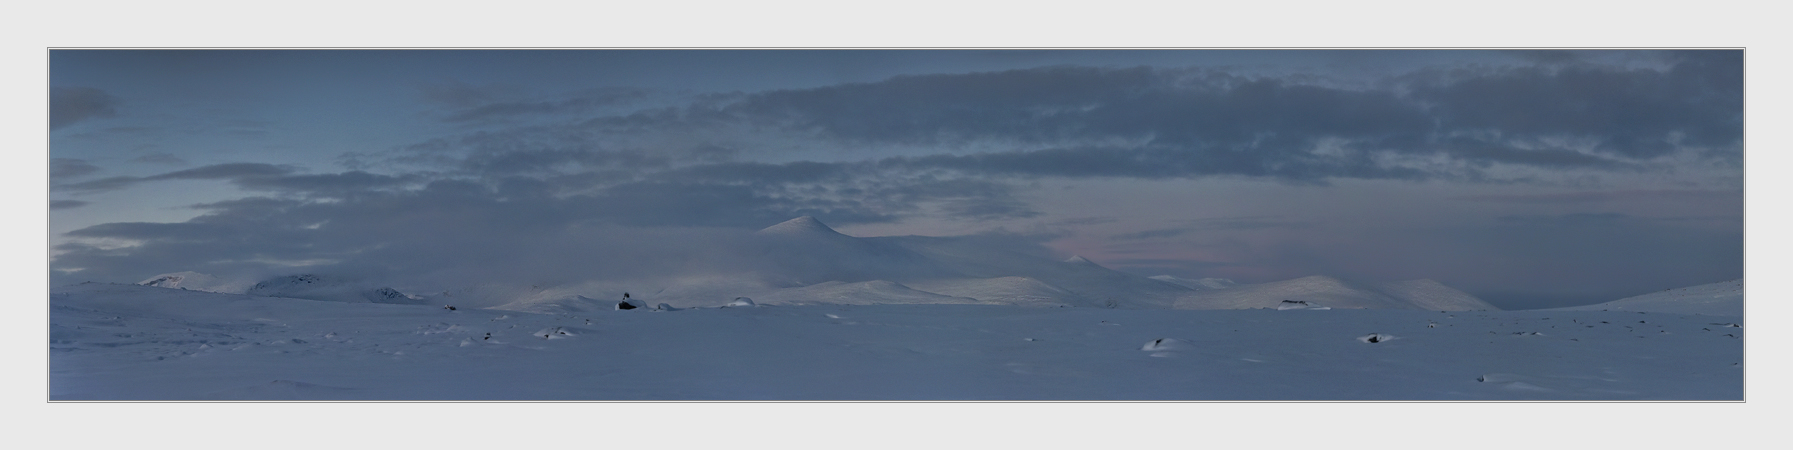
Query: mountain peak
x,y
805,225
1079,260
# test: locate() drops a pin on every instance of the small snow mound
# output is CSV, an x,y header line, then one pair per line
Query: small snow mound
x,y
1374,338
1497,378
554,333
740,301
664,307
1300,304
1512,382
1166,344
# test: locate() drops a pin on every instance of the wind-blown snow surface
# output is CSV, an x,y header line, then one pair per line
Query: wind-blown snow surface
x,y
129,342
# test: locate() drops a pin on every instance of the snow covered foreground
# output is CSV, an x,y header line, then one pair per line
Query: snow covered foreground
x,y
128,342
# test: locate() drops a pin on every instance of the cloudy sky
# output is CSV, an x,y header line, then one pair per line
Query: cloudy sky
x,y
1528,178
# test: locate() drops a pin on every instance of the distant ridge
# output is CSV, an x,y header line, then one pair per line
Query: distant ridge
x,y
1723,298
804,261
197,282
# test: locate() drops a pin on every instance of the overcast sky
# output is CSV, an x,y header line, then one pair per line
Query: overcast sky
x,y
1528,178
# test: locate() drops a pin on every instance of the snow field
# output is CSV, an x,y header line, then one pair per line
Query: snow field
x,y
122,342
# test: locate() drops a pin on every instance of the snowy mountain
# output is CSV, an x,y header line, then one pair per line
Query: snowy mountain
x,y
1336,293
316,287
806,251
804,261
1714,299
197,282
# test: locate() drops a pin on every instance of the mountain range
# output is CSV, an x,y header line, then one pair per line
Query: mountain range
x,y
803,261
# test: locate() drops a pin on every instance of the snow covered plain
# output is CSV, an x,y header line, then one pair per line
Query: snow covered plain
x,y
131,342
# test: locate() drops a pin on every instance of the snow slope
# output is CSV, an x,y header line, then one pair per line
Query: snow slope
x,y
1197,284
1336,293
877,292
129,342
1715,299
1089,283
1022,291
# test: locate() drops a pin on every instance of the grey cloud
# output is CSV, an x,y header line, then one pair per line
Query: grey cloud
x,y
1093,220
1158,162
1484,152
62,168
753,172
100,185
66,204
1631,113
531,150
1062,121
989,209
1606,196
577,103
1216,224
1154,234
331,185
1547,56
70,104
462,95
160,158
223,171
261,177
216,171
1576,219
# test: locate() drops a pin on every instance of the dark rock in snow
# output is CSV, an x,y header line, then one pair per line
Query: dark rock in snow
x,y
1299,304
1373,338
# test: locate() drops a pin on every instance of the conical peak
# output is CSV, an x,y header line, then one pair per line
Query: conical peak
x,y
800,225
1079,260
